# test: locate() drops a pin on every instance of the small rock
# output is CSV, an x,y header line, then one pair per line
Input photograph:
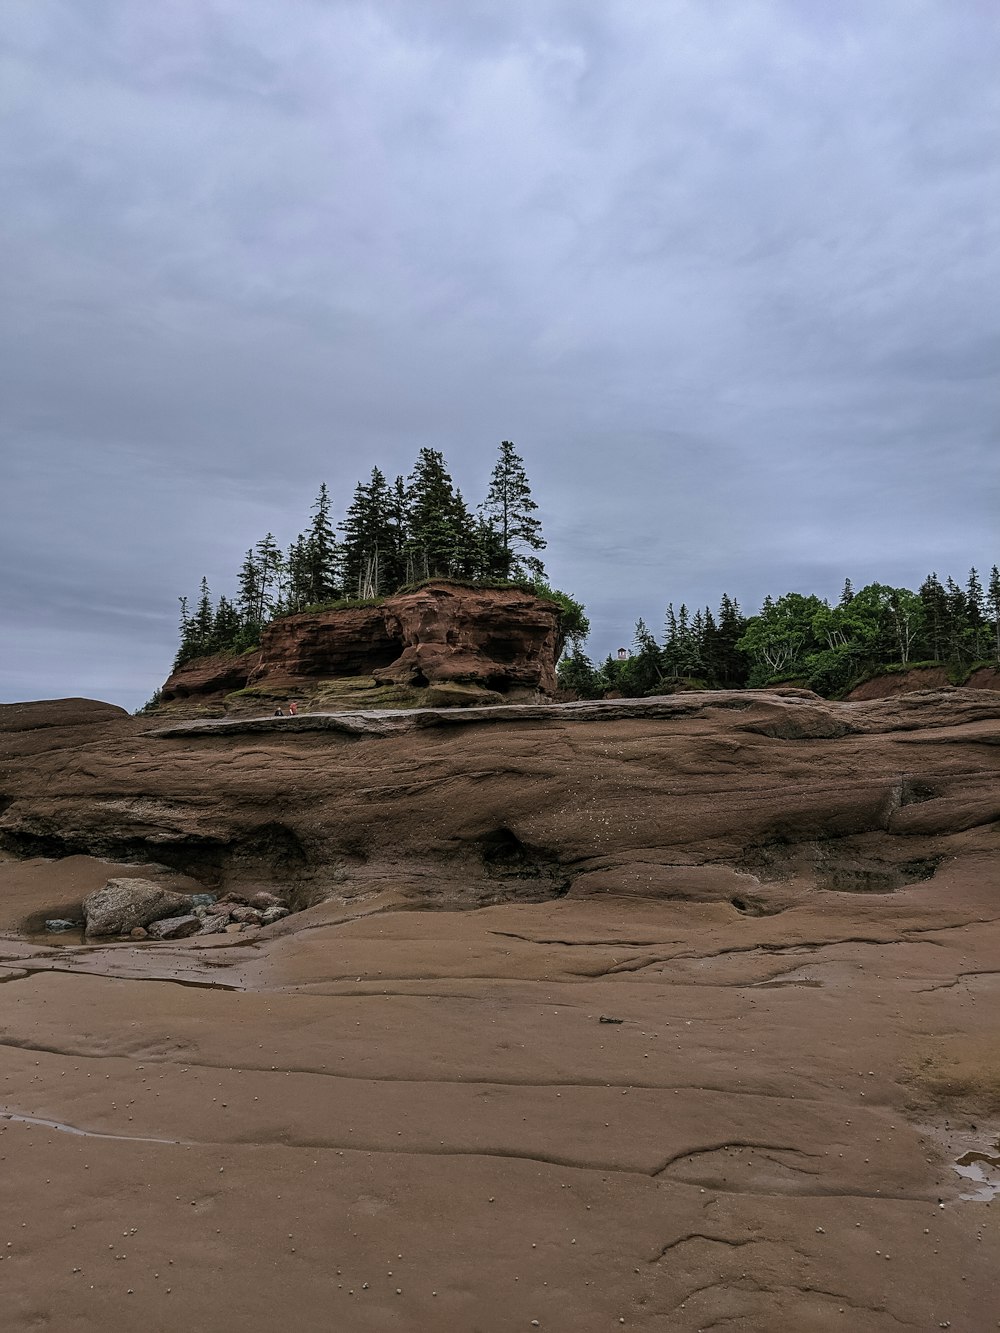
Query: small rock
x,y
247,915
174,927
58,924
273,914
263,901
214,925
138,933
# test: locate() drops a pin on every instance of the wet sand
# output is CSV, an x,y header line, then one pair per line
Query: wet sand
x,y
386,1119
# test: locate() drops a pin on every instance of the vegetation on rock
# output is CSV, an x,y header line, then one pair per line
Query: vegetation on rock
x,y
392,537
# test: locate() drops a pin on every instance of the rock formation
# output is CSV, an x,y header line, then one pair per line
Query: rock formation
x,y
501,640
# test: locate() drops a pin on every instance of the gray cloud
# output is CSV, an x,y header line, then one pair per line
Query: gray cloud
x,y
724,273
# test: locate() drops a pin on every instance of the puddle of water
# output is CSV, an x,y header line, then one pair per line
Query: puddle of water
x,y
83,1133
983,1169
58,939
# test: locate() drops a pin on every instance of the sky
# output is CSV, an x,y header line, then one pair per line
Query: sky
x,y
726,273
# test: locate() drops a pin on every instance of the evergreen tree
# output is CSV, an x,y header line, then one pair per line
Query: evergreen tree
x,y
847,595
248,601
643,672
434,518
732,670
510,510
188,644
225,625
993,605
975,611
957,621
320,552
935,608
297,575
267,557
576,674
204,618
369,539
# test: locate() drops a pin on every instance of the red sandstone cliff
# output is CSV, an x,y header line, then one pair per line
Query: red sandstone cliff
x,y
500,639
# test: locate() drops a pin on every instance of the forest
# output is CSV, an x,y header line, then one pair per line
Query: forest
x,y
803,638
393,535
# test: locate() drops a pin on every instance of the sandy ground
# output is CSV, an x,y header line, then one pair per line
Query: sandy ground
x,y
417,1120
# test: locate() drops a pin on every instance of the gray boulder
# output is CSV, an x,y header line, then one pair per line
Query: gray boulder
x,y
123,904
174,927
214,925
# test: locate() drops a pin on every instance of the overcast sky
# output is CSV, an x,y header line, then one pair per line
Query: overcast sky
x,y
726,273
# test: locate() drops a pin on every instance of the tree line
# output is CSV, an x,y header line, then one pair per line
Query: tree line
x,y
392,535
803,638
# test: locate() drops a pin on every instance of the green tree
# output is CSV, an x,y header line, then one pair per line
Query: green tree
x,y
319,552
975,611
993,606
642,673
934,602
576,675
510,511
370,556
781,637
435,518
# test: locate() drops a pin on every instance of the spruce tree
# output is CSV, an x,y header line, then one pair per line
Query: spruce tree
x,y
434,518
510,510
935,609
320,552
993,605
369,555
248,599
975,611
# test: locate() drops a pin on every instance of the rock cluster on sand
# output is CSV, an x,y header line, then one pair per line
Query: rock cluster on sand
x,y
123,905
141,909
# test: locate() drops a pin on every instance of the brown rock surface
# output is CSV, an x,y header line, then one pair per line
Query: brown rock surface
x,y
496,639
369,1117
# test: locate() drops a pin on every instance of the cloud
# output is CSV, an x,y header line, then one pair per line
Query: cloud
x,y
724,273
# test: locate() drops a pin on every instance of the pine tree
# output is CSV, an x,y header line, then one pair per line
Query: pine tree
x,y
267,556
510,510
320,552
369,539
576,675
935,607
225,626
204,618
434,518
975,611
847,594
248,600
993,605
732,660
957,622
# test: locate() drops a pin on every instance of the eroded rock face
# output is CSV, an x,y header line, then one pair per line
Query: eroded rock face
x,y
330,643
124,904
207,677
500,640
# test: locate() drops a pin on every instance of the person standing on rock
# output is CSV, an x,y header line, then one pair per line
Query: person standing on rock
x,y
278,713
293,708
